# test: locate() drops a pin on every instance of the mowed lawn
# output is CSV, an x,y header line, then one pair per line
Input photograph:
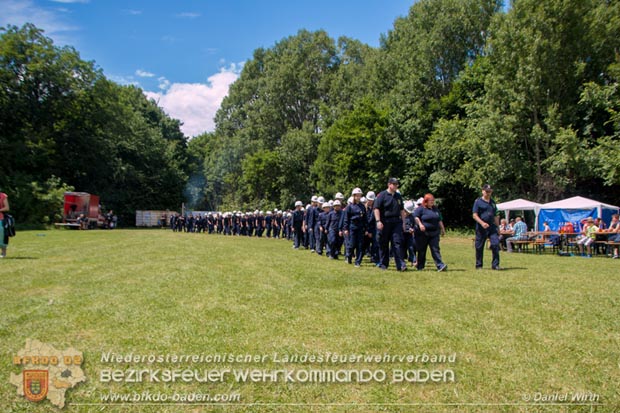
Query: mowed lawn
x,y
547,325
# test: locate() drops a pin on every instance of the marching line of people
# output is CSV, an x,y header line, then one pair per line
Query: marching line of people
x,y
383,227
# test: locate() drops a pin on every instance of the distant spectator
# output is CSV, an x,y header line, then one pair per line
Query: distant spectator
x,y
4,237
505,231
588,236
520,233
614,231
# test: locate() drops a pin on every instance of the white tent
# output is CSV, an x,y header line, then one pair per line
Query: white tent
x,y
518,205
574,209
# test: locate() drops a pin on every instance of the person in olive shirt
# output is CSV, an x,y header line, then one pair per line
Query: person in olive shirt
x,y
390,214
485,214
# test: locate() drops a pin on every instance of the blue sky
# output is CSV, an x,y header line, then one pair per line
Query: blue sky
x,y
186,53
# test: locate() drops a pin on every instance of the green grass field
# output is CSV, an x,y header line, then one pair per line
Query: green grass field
x,y
546,326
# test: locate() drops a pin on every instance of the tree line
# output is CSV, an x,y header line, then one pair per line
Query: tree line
x,y
65,126
458,93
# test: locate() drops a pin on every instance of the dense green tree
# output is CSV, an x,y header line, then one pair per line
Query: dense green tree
x,y
354,151
62,123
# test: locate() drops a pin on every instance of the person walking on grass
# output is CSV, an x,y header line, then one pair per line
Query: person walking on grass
x,y
389,211
485,214
429,227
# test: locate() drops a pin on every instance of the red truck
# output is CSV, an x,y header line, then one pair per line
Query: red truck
x,y
82,211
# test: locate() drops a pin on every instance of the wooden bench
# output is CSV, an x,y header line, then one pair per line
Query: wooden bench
x,y
610,245
524,243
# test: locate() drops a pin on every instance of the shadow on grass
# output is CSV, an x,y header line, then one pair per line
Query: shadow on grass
x,y
8,257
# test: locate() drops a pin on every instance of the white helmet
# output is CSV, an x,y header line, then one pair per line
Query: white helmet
x,y
308,206
321,200
339,196
298,203
269,212
336,202
409,206
419,201
363,200
370,196
314,198
356,191
262,212
350,200
330,203
327,205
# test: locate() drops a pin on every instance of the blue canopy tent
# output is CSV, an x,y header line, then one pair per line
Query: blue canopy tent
x,y
573,210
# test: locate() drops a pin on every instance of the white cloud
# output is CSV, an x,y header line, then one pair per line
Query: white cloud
x,y
189,15
144,73
195,104
71,1
132,12
19,12
163,83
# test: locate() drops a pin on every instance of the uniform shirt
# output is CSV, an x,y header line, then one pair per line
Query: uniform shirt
x,y
333,221
389,206
355,218
371,223
409,223
486,211
298,218
430,218
311,217
323,217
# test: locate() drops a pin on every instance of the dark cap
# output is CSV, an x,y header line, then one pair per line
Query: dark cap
x,y
486,187
393,181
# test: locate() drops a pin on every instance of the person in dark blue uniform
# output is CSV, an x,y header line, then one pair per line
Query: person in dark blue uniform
x,y
251,224
409,244
355,227
485,214
316,231
297,224
429,227
389,214
220,223
269,223
334,235
309,223
323,217
371,243
277,224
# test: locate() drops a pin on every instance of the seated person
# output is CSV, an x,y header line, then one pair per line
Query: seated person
x,y
520,233
505,231
588,236
614,233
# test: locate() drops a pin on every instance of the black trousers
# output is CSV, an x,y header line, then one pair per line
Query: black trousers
x,y
423,241
481,238
392,233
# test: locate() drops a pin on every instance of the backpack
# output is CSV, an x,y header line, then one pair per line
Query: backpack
x,y
9,225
